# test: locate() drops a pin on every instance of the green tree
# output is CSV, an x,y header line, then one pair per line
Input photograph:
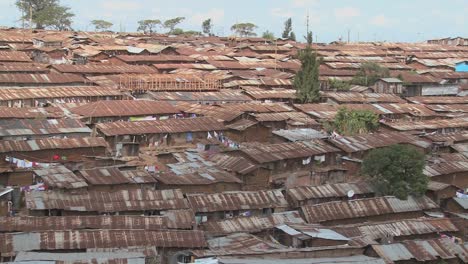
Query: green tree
x,y
351,122
148,25
171,24
101,25
307,81
287,29
396,170
292,36
207,27
244,29
369,73
268,35
309,38
339,85
46,13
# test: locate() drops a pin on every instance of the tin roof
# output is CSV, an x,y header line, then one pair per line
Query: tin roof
x,y
256,107
275,93
264,153
212,111
220,96
51,143
30,112
437,99
200,124
449,138
102,69
118,108
251,224
46,78
24,127
368,207
241,200
298,118
64,223
432,124
114,201
364,142
446,167
18,93
422,251
452,108
358,259
104,176
60,177
338,190
81,257
88,239
300,134
349,97
155,58
232,163
14,56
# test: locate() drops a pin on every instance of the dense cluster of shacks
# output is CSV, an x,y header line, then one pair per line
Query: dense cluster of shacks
x,y
130,148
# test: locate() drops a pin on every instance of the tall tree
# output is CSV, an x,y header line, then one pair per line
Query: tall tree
x,y
306,81
148,25
287,29
309,38
46,13
171,24
268,35
292,36
244,29
351,122
369,73
101,25
396,170
207,27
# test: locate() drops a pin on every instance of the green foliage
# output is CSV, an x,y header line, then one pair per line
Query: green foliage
x,y
101,25
306,81
148,25
292,36
172,23
244,29
352,122
207,27
268,35
370,73
46,13
396,170
287,29
340,85
309,38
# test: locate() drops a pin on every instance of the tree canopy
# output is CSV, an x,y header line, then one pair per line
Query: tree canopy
x,y
207,27
148,25
287,32
46,14
370,73
268,35
171,24
306,81
396,170
351,122
101,25
244,29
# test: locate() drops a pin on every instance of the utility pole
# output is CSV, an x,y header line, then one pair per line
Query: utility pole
x,y
349,33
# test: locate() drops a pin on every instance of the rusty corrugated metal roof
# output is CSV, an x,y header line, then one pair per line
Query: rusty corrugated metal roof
x,y
368,207
60,177
103,69
23,93
14,56
337,190
243,200
46,78
432,124
42,127
30,112
169,126
51,143
349,97
117,108
264,153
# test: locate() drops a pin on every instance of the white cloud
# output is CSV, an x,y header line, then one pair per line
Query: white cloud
x,y
278,12
303,3
380,20
122,5
216,15
347,12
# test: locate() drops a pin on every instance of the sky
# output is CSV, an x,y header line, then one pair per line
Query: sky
x,y
365,20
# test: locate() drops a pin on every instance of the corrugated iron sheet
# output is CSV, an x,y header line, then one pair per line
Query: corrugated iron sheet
x,y
253,224
338,190
30,112
445,168
8,93
340,210
116,201
438,100
117,108
14,56
199,124
64,223
61,177
51,143
104,176
216,112
348,97
220,96
255,107
88,239
264,153
48,79
42,127
232,163
103,69
433,124
366,142
227,201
